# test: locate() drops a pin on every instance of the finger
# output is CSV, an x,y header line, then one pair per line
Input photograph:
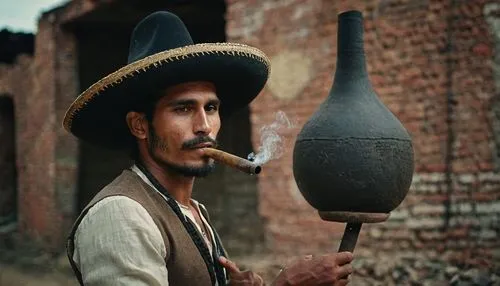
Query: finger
x,y
240,282
229,265
344,271
244,278
259,281
343,257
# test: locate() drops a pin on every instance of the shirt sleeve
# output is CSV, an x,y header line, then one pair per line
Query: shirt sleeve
x,y
118,243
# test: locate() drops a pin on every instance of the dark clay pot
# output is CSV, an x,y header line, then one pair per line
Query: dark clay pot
x,y
353,154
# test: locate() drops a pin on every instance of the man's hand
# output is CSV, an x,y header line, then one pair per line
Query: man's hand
x,y
330,269
237,277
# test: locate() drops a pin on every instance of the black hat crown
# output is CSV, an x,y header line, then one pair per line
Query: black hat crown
x,y
156,33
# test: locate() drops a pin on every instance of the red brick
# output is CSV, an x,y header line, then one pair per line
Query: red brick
x,y
482,49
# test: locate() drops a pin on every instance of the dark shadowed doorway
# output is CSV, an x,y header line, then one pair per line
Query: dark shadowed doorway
x,y
103,40
8,173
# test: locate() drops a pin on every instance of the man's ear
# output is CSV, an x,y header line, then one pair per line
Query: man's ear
x,y
137,124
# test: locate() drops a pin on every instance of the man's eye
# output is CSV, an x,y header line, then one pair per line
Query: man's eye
x,y
182,109
212,107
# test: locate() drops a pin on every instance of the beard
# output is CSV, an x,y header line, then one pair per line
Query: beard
x,y
157,143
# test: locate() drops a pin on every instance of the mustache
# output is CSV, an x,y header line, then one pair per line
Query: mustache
x,y
190,144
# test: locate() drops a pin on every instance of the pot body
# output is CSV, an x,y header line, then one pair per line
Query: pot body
x,y
353,154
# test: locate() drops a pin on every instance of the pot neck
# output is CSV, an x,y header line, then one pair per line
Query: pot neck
x,y
351,62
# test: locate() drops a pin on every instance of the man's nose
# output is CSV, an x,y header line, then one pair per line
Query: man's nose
x,y
202,123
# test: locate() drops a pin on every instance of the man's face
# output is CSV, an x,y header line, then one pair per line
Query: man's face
x,y
185,119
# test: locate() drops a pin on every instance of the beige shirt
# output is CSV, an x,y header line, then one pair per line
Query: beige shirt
x,y
118,243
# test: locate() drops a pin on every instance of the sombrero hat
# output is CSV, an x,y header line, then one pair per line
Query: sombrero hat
x,y
162,54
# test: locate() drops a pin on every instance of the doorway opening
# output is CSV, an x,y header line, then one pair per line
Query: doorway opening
x,y
8,171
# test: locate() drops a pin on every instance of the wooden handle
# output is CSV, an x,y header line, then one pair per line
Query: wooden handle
x,y
350,237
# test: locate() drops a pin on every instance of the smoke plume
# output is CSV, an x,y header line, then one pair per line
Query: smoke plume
x,y
272,140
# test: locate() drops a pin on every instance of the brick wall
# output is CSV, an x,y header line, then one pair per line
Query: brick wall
x,y
41,87
432,64
22,68
36,142
66,153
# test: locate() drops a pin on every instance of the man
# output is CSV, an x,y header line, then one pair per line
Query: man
x,y
144,228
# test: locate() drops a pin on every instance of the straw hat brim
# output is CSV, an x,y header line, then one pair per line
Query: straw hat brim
x,y
238,71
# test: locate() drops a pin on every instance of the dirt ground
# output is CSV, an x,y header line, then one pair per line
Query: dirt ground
x,y
39,270
12,276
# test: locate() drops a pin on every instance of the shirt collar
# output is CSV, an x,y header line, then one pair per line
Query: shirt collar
x,y
143,176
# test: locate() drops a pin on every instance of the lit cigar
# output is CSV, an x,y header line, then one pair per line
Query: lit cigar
x,y
232,161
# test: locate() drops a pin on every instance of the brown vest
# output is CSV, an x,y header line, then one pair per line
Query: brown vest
x,y
184,262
